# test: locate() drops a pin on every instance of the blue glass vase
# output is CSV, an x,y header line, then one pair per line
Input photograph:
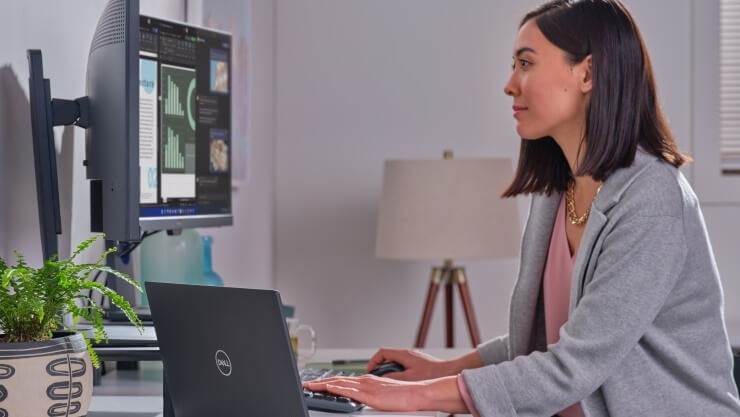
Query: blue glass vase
x,y
171,258
209,276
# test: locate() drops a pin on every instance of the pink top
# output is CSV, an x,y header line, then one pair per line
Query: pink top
x,y
556,288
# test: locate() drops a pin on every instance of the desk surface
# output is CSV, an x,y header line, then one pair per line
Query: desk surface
x,y
138,393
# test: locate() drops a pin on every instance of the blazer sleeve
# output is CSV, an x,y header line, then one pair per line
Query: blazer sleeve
x,y
495,350
640,260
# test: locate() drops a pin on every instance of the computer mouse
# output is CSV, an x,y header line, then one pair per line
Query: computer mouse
x,y
387,367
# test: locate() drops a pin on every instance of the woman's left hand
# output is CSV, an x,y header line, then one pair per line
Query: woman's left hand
x,y
393,395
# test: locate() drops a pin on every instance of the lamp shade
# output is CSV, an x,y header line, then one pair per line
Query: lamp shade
x,y
447,209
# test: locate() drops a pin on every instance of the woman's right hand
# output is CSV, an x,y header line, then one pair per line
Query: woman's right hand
x,y
418,365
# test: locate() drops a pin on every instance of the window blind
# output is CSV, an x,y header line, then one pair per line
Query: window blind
x,y
729,112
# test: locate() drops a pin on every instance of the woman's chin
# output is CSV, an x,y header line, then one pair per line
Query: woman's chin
x,y
528,135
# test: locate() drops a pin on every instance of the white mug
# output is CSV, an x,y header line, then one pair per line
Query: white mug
x,y
302,339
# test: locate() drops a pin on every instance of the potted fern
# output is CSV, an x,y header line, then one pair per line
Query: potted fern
x,y
37,361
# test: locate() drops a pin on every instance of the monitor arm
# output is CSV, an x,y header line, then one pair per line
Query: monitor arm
x,y
67,112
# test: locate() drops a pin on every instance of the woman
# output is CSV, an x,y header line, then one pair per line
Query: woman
x,y
617,310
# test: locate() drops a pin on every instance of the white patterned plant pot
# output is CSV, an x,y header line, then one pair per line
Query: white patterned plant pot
x,y
50,378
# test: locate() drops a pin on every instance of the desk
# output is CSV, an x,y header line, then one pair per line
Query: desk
x,y
138,393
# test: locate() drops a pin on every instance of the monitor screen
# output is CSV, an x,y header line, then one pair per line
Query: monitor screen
x,y
184,126
158,120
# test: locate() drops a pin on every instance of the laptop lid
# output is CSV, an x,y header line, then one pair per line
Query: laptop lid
x,y
225,351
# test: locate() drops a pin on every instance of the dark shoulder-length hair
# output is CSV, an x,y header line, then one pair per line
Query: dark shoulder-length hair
x,y
623,112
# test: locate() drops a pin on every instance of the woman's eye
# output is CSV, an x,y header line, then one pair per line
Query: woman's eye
x,y
521,63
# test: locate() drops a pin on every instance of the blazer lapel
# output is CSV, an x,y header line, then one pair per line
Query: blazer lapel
x,y
583,266
591,241
535,245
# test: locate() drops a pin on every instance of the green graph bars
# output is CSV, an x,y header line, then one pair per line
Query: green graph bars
x,y
173,158
172,104
178,115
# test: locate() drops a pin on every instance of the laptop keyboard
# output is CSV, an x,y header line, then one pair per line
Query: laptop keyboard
x,y
324,401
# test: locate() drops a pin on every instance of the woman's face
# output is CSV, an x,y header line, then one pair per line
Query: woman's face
x,y
550,93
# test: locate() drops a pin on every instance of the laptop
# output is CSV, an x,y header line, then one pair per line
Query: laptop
x,y
225,351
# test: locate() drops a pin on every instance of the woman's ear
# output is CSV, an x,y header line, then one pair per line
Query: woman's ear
x,y
586,75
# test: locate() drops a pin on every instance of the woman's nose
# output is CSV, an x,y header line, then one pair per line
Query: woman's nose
x,y
507,90
510,87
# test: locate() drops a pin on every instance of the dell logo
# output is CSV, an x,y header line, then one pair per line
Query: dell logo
x,y
223,363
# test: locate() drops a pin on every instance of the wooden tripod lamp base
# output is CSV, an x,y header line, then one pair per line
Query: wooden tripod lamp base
x,y
451,276
447,209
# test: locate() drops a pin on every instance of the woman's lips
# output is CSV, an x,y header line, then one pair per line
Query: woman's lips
x,y
518,110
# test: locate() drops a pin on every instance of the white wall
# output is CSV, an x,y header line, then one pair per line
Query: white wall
x,y
243,254
336,88
63,30
59,30
718,193
360,82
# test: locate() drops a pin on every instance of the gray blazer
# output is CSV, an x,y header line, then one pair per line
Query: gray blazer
x,y
645,334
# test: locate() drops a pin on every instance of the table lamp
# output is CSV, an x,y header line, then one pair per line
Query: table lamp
x,y
447,209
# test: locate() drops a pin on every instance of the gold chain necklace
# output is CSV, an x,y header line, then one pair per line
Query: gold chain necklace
x,y
570,203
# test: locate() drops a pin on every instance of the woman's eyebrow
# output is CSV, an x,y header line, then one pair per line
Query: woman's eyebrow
x,y
522,50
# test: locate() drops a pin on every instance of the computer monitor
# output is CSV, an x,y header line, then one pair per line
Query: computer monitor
x,y
184,126
112,137
44,153
158,120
